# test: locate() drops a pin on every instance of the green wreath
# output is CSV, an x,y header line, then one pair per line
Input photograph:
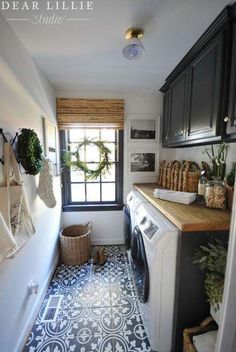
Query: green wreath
x,y
103,167
29,151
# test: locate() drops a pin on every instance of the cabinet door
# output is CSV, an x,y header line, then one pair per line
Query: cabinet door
x,y
231,118
165,119
177,109
205,83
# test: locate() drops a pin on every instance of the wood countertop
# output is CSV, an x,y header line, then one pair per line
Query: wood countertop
x,y
187,218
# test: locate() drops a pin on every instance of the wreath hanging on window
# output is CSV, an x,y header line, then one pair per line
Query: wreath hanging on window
x,y
72,159
29,151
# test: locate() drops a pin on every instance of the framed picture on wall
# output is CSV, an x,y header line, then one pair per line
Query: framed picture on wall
x,y
142,162
143,129
50,141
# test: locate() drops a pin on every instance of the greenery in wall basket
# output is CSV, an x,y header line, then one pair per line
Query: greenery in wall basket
x,y
212,260
29,151
72,159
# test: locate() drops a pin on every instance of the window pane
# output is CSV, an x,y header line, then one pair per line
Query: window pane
x,y
76,135
112,148
77,176
92,134
110,175
93,167
108,192
108,135
92,153
73,148
93,192
78,193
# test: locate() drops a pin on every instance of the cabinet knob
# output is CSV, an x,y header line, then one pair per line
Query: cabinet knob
x,y
166,137
226,119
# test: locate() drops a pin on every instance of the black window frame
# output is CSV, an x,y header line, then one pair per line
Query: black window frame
x,y
68,205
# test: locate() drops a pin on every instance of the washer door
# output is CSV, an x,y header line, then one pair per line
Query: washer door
x,y
127,227
139,265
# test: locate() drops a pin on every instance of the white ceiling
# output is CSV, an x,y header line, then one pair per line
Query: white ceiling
x,y
87,55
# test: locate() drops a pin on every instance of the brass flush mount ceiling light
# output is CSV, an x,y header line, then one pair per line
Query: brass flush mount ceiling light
x,y
134,48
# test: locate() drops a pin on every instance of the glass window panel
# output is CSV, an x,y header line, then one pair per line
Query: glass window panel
x,y
77,176
108,135
108,192
76,135
110,175
93,167
112,148
93,192
78,193
92,134
92,153
73,148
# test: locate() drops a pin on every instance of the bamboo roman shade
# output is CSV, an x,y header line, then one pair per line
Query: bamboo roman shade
x,y
97,113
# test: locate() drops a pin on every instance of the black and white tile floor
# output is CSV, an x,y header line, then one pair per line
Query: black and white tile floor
x,y
99,310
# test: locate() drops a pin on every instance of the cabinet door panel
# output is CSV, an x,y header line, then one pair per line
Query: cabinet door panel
x,y
204,91
165,119
178,105
231,119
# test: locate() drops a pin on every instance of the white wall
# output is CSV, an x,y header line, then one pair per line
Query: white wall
x,y
108,226
25,96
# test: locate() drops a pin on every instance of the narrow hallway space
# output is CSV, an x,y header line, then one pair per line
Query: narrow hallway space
x,y
98,310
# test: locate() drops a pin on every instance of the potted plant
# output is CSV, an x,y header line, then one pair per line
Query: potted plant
x,y
212,260
230,178
218,160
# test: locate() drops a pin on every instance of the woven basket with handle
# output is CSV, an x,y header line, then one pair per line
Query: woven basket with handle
x,y
75,244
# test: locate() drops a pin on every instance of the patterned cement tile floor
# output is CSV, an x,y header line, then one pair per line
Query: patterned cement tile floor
x,y
98,313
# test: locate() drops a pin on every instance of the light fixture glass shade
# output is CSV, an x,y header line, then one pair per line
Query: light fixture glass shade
x,y
133,49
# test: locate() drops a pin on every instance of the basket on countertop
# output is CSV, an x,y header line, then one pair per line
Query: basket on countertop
x,y
191,174
75,244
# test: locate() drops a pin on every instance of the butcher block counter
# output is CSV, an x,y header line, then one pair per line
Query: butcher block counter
x,y
187,218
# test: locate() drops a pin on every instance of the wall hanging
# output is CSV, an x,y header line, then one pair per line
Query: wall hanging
x,y
50,141
73,159
45,187
14,208
29,151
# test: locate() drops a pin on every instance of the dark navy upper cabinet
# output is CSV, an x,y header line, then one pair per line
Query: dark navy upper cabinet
x,y
205,85
230,118
201,100
177,109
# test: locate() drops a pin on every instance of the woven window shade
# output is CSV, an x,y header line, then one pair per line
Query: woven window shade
x,y
90,113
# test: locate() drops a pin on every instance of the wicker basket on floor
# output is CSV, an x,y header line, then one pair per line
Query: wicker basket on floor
x,y
206,325
75,244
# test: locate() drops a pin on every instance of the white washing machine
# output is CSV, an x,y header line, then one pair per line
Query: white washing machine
x,y
134,200
153,257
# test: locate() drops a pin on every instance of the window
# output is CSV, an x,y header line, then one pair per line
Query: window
x,y
105,192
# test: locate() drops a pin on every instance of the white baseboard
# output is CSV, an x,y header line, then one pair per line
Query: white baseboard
x,y
106,242
31,319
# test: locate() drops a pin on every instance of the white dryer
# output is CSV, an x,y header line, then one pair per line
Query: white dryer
x,y
134,200
153,257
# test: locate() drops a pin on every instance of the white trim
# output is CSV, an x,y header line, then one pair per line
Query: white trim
x,y
107,242
34,312
226,341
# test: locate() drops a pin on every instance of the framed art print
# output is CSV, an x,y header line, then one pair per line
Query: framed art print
x,y
50,141
142,162
143,130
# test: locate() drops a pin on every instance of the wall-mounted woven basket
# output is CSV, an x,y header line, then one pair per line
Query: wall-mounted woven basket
x,y
75,244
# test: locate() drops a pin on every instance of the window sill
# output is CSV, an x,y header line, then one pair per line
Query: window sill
x,y
96,207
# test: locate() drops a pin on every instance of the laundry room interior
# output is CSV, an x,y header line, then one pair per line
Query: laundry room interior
x,y
117,176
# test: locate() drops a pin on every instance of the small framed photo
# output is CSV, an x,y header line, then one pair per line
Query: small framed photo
x,y
143,129
142,162
50,141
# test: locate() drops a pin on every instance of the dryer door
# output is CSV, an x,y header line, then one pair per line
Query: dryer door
x,y
127,227
139,265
